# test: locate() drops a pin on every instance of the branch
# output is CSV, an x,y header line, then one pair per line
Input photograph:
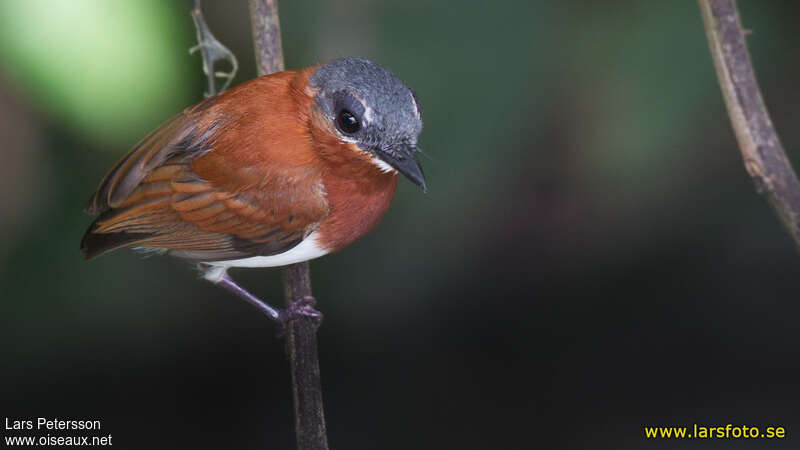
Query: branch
x,y
301,334
301,346
764,157
266,36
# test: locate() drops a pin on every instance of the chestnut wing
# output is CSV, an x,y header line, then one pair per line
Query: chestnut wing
x,y
155,198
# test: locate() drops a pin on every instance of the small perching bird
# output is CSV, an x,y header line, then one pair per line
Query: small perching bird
x,y
281,169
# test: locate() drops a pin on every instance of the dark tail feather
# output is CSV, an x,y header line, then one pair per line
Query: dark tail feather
x,y
95,244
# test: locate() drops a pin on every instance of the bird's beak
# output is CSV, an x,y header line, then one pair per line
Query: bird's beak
x,y
405,161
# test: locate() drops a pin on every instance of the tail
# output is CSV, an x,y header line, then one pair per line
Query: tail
x,y
95,244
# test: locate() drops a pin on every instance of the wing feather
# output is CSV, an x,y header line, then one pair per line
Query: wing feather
x,y
154,197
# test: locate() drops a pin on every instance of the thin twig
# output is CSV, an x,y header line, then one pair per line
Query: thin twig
x,y
301,333
212,51
764,157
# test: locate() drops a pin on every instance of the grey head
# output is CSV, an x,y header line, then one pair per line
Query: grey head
x,y
371,108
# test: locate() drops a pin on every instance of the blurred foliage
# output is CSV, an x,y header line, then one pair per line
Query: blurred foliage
x,y
591,256
105,68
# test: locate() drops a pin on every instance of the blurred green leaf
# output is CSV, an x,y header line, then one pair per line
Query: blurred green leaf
x,y
108,69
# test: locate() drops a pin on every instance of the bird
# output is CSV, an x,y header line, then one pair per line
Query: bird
x,y
280,169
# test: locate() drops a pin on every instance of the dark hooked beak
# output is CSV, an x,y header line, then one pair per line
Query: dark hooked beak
x,y
405,161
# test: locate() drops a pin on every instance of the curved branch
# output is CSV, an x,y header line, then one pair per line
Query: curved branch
x,y
764,157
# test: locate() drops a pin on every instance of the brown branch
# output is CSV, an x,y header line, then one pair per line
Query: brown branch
x,y
301,346
266,36
301,333
764,157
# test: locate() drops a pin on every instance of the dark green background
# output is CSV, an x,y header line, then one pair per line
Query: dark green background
x,y
591,256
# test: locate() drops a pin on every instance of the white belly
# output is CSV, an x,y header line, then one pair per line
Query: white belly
x,y
305,250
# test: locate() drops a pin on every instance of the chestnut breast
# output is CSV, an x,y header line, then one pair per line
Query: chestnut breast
x,y
356,205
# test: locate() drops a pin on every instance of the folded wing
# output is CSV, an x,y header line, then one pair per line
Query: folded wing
x,y
158,197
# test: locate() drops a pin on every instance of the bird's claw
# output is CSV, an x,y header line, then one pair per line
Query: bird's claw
x,y
302,307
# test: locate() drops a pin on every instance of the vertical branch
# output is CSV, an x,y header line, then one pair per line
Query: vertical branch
x,y
764,157
301,333
266,36
301,346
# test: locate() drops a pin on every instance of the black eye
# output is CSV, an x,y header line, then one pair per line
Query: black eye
x,y
347,122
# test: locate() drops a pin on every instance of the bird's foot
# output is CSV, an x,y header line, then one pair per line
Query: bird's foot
x,y
302,307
